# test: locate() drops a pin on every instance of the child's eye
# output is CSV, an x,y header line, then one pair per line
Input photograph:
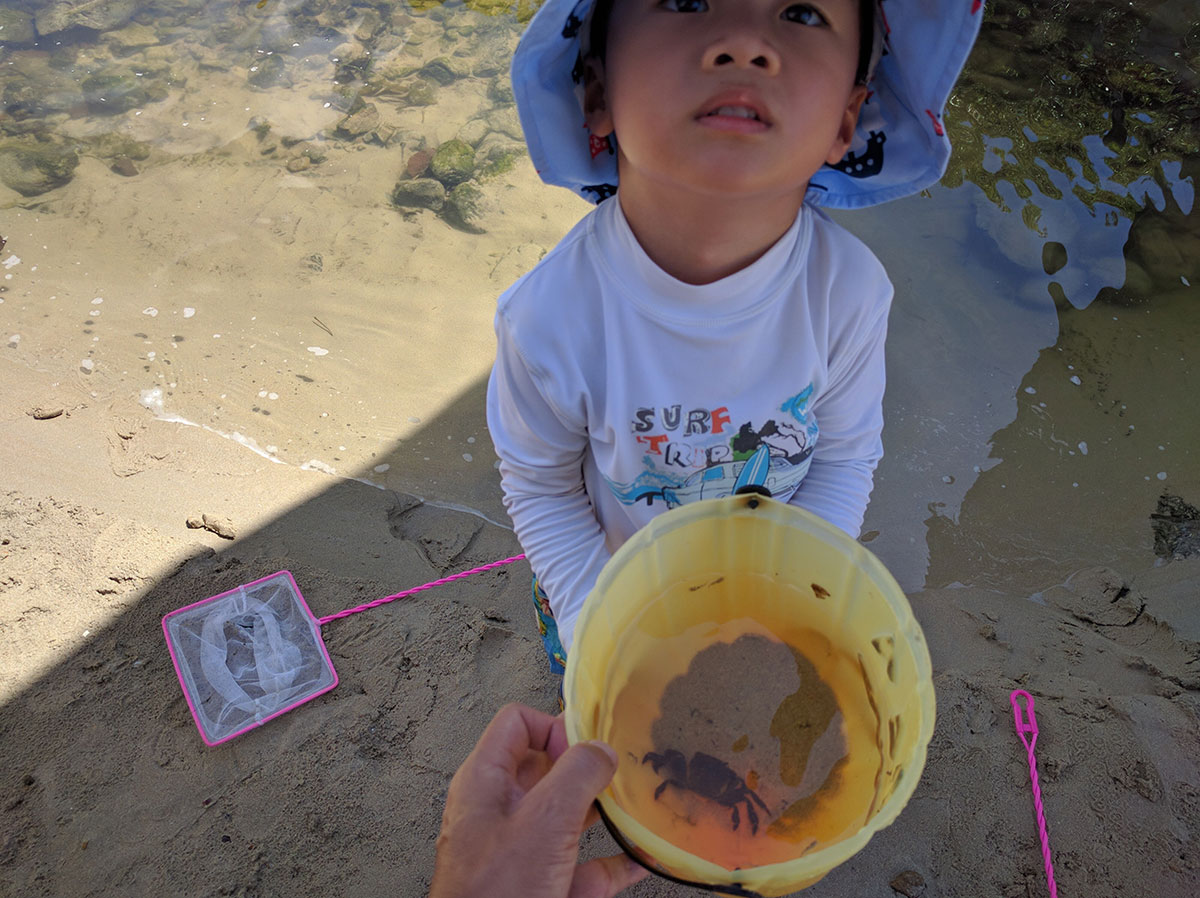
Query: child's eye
x,y
804,14
685,5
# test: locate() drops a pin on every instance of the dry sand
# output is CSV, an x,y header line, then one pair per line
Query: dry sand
x,y
367,469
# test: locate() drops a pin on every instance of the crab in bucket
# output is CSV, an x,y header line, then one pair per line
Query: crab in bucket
x,y
710,778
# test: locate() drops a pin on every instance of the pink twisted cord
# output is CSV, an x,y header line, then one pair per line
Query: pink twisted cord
x,y
1027,730
408,592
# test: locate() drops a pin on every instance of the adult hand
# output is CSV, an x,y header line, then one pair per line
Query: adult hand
x,y
515,811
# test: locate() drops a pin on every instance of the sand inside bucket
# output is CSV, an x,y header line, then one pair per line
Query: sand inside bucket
x,y
748,745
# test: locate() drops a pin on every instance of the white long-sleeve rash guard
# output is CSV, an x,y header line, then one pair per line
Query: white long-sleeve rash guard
x,y
620,391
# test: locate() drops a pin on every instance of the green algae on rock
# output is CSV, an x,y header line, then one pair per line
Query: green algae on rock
x,y
453,162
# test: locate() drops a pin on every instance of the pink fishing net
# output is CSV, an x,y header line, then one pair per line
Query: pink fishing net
x,y
248,655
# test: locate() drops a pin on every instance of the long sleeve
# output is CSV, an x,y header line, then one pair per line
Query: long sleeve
x,y
839,481
541,450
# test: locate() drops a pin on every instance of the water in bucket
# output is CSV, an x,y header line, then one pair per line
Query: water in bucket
x,y
764,747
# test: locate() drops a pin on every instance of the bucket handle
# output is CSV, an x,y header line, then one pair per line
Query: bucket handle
x,y
752,489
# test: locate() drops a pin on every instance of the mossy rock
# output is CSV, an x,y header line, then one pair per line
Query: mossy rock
x,y
464,207
419,193
34,169
113,145
453,162
499,162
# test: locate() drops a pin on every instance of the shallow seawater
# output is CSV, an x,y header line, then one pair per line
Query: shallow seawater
x,y
201,211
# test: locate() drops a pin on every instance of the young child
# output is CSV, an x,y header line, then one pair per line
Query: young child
x,y
707,326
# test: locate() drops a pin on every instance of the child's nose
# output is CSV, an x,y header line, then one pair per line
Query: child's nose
x,y
742,50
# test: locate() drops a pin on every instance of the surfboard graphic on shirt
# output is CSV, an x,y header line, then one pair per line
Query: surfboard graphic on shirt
x,y
706,458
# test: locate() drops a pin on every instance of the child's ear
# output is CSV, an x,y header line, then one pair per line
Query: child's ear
x,y
845,133
595,103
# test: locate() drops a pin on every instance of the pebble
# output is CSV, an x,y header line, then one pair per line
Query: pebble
x,y
221,526
910,884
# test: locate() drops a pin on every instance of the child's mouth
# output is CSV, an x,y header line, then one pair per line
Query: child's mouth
x,y
735,112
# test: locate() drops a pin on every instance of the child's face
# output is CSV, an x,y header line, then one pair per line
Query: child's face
x,y
734,97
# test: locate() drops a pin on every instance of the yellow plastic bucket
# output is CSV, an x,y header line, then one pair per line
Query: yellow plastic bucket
x,y
766,687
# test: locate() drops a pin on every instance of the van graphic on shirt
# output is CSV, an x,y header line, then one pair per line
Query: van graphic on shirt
x,y
706,459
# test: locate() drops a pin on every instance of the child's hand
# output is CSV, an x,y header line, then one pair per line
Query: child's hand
x,y
516,810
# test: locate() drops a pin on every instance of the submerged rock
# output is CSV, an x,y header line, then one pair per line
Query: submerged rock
x,y
504,120
445,70
369,25
269,70
131,38
418,163
362,120
110,92
310,153
34,169
114,145
500,91
16,27
420,193
418,92
501,159
473,132
464,207
453,163
99,15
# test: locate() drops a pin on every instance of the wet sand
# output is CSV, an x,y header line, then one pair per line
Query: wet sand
x,y
165,329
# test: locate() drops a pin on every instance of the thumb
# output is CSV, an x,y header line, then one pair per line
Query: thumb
x,y
567,791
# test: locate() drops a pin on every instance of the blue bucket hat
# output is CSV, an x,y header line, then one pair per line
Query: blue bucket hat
x,y
899,148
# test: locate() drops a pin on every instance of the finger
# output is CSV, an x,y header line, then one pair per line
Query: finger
x,y
566,793
506,742
557,743
605,876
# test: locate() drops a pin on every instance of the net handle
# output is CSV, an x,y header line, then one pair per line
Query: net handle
x,y
408,592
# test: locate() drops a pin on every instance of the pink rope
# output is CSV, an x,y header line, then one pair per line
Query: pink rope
x,y
1027,729
408,592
